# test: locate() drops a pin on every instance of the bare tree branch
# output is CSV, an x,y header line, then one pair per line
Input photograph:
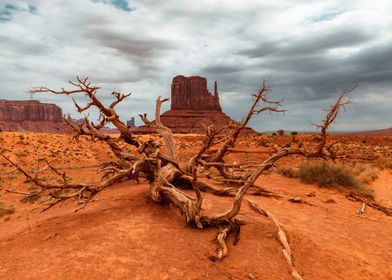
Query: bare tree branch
x,y
167,178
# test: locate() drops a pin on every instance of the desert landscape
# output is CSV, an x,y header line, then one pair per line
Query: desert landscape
x,y
213,140
228,203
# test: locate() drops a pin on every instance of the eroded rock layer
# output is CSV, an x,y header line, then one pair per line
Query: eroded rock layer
x,y
192,94
193,121
31,115
193,107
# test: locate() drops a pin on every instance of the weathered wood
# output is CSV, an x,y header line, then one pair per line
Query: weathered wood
x,y
160,164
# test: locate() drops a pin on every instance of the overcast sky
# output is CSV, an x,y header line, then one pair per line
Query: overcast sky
x,y
307,50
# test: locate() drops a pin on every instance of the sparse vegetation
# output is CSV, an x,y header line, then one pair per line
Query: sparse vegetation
x,y
366,173
327,174
30,199
288,172
383,164
6,209
331,175
161,164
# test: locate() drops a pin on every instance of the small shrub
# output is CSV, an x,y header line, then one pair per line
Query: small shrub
x,y
294,139
316,139
30,199
288,172
327,174
383,164
280,132
366,173
263,143
6,210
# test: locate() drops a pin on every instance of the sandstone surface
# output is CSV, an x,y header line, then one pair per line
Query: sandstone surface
x,y
193,107
192,94
31,115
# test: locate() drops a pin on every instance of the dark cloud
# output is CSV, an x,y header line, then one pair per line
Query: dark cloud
x,y
307,68
221,69
308,52
133,45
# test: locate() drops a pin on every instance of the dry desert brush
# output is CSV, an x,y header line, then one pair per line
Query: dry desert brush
x,y
181,184
331,175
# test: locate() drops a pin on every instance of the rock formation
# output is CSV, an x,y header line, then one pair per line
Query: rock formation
x,y
131,123
31,115
192,94
193,107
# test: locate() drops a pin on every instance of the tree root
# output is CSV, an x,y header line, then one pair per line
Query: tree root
x,y
369,202
362,209
161,166
282,237
221,238
204,186
225,229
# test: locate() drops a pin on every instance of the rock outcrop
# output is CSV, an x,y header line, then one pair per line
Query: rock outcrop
x,y
131,123
192,94
31,115
193,107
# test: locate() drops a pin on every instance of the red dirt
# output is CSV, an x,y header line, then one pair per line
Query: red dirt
x,y
122,234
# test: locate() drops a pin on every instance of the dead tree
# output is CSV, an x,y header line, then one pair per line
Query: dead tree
x,y
167,177
259,99
323,150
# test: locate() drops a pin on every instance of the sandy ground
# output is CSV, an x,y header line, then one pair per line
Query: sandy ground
x,y
122,234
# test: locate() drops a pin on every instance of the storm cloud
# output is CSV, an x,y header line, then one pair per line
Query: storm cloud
x,y
308,51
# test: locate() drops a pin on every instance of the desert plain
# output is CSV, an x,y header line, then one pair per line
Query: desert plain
x,y
123,234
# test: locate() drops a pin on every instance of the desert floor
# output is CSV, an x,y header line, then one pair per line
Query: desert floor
x,y
122,234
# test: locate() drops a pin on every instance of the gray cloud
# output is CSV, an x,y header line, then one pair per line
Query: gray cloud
x,y
137,47
308,52
311,43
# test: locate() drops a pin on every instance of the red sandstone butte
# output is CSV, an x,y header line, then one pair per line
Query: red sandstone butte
x,y
193,107
31,115
192,94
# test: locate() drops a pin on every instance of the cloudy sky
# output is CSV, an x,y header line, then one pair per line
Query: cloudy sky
x,y
307,50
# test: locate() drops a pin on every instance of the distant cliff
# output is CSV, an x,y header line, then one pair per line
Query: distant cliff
x,y
31,115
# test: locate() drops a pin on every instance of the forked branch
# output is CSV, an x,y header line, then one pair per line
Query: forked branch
x,y
107,114
160,163
332,113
